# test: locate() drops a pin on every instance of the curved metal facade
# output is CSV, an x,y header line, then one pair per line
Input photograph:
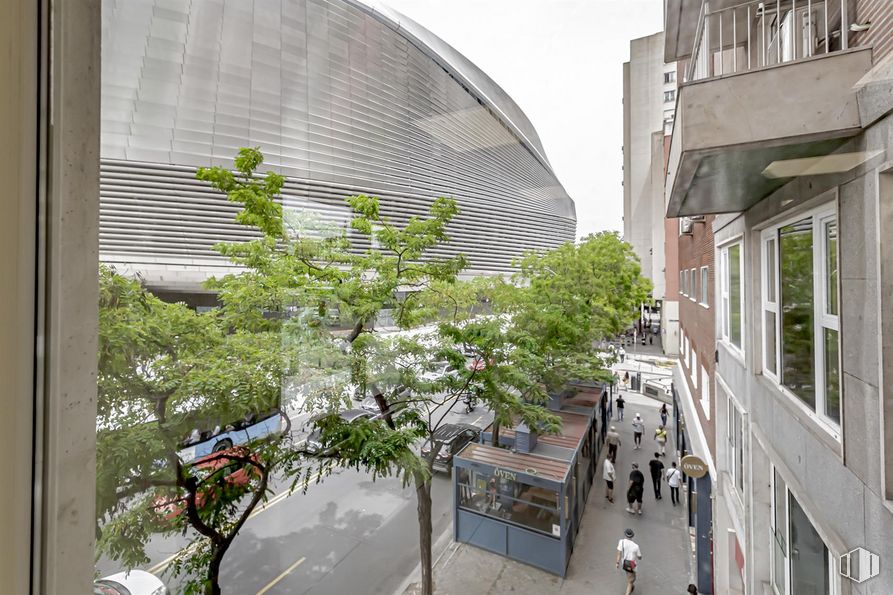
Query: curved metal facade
x,y
342,98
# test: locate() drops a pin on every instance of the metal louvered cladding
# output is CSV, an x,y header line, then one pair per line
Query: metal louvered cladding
x,y
340,99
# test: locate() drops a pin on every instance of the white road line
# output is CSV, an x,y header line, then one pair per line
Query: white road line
x,y
272,583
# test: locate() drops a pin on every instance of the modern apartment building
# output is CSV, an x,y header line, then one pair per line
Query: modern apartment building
x,y
649,96
343,97
781,145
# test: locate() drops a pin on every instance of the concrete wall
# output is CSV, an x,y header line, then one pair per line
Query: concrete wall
x,y
838,483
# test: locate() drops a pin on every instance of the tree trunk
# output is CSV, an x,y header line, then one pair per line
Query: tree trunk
x,y
212,584
423,494
495,437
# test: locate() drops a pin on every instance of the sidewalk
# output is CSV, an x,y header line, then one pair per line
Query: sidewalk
x,y
661,532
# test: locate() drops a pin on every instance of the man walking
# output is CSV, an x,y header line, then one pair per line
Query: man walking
x,y
638,430
660,435
635,490
657,474
622,354
628,556
608,474
674,480
620,405
612,439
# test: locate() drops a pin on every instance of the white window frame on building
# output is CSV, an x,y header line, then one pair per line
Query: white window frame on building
x,y
780,539
705,392
725,295
694,285
826,310
669,77
670,96
704,282
735,444
693,370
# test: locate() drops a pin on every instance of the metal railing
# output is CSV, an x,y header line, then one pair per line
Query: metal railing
x,y
756,34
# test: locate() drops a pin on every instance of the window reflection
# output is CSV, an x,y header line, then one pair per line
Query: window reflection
x,y
797,301
533,507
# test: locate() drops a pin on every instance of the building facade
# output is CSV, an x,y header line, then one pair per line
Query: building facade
x,y
343,97
802,411
649,95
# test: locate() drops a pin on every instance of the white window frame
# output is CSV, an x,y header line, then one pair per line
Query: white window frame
x,y
705,280
681,274
693,370
821,318
725,294
694,285
705,392
833,575
735,444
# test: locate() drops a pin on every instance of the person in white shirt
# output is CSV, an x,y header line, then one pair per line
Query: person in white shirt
x,y
608,475
674,480
628,556
638,430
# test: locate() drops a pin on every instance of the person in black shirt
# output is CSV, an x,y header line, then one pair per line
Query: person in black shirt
x,y
657,474
620,405
635,490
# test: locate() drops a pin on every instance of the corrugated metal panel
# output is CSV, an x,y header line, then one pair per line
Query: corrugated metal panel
x,y
339,101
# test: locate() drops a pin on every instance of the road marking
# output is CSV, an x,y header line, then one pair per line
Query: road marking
x,y
269,504
272,583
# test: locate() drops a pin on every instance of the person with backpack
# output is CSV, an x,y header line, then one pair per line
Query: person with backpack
x,y
660,435
628,556
674,480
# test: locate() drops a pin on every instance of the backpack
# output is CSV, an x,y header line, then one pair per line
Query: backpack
x,y
628,565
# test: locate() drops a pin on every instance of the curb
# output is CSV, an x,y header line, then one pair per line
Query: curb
x,y
439,548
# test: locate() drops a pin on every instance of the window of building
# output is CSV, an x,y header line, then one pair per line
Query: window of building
x,y
669,96
801,562
801,342
694,284
670,77
704,286
669,115
735,447
732,275
705,392
693,370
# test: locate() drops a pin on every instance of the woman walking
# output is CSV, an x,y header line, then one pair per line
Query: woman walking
x,y
664,414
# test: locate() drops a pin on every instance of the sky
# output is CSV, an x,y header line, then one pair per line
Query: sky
x,y
562,63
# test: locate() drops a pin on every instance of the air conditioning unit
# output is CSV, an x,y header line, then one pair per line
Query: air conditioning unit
x,y
685,225
698,218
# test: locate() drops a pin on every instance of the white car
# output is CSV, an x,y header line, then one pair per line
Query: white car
x,y
134,582
439,370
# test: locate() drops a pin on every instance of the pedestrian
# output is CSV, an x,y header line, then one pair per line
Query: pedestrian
x,y
660,435
635,490
491,492
674,480
657,475
612,439
664,414
622,354
638,430
620,405
626,379
693,590
651,339
608,474
616,380
628,556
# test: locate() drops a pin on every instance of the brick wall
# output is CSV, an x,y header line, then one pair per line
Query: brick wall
x,y
697,322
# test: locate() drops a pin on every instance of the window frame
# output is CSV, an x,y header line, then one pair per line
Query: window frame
x,y
670,96
705,281
669,77
735,421
822,320
694,285
705,392
725,295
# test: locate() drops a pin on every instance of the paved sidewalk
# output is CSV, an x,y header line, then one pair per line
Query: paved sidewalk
x,y
661,532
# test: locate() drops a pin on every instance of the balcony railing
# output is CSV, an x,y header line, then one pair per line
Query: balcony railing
x,y
757,34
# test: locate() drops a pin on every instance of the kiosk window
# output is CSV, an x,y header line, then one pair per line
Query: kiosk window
x,y
530,506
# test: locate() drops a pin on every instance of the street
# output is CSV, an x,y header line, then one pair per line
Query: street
x,y
347,534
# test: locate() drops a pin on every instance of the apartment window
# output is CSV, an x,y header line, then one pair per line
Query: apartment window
x,y
735,447
670,77
801,562
705,392
704,286
681,287
669,115
693,370
732,275
694,284
670,96
800,302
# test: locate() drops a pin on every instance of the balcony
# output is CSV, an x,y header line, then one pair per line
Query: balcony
x,y
766,82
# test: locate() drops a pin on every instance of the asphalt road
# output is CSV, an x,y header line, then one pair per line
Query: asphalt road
x,y
347,534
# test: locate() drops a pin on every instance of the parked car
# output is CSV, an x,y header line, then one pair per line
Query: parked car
x,y
452,437
230,474
438,371
314,440
134,582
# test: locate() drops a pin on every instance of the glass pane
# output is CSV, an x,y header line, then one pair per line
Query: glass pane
x,y
781,521
771,347
735,295
533,507
809,560
780,561
771,273
832,375
704,285
831,267
797,310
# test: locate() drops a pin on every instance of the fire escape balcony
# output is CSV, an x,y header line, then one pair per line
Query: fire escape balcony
x,y
766,83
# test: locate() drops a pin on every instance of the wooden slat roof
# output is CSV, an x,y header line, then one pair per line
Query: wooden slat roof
x,y
530,464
